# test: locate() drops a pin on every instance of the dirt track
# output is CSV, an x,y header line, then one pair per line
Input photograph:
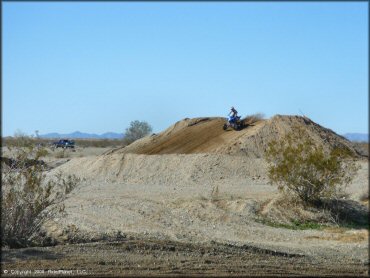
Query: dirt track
x,y
202,135
205,135
186,201
157,207
154,257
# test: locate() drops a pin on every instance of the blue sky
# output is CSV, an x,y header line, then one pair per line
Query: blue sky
x,y
95,67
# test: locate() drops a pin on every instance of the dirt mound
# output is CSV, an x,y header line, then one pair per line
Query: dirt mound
x,y
165,169
205,135
197,151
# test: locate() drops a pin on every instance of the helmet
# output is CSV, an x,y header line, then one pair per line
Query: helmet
x,y
232,107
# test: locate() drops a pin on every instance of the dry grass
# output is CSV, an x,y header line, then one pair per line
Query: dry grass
x,y
363,145
343,235
62,154
26,193
98,143
285,210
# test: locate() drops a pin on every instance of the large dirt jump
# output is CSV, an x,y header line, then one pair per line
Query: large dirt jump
x,y
205,135
200,150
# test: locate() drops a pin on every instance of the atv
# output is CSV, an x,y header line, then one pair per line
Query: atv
x,y
234,122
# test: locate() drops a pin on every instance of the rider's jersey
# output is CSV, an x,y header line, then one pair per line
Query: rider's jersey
x,y
233,112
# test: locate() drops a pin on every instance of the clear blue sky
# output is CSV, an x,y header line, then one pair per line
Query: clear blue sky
x,y
95,67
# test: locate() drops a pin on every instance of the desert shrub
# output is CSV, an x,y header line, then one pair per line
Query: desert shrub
x,y
26,193
136,131
300,167
22,140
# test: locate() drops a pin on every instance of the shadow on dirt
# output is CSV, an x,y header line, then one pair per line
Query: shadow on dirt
x,y
347,213
28,254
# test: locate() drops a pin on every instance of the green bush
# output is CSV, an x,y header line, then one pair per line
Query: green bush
x,y
300,167
136,131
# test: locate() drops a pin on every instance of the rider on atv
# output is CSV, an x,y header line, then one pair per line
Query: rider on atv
x,y
233,121
233,115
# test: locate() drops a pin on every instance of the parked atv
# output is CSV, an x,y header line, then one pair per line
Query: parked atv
x,y
234,122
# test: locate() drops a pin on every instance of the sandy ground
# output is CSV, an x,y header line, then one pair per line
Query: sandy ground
x,y
176,213
189,205
134,210
205,135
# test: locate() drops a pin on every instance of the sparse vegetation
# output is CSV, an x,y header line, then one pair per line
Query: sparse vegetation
x,y
62,154
288,212
305,170
26,193
82,143
99,143
136,131
294,225
364,146
312,182
343,235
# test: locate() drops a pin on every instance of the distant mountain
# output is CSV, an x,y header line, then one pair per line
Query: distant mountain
x,y
357,137
112,135
82,135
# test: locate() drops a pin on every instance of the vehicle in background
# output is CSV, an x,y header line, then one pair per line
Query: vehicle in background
x,y
64,143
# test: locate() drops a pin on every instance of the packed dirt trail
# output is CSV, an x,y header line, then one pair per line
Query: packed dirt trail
x,y
200,135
